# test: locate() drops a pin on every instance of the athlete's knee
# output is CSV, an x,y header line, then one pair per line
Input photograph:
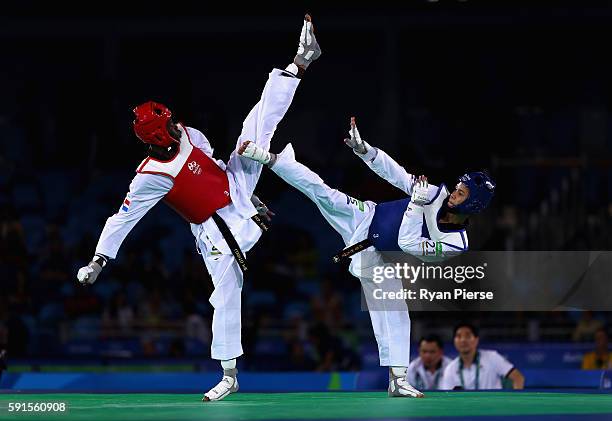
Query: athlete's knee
x,y
227,300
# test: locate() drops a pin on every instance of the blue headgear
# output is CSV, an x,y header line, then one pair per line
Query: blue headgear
x,y
482,188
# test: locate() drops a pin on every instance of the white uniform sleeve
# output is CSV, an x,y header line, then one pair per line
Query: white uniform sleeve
x,y
450,379
387,168
411,241
501,365
200,141
145,191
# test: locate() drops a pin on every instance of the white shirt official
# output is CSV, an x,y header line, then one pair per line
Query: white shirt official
x,y
422,378
488,373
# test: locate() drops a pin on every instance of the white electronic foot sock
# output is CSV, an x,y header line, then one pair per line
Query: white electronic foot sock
x,y
227,386
399,386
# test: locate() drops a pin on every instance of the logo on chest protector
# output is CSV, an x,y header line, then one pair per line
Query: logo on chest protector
x,y
194,167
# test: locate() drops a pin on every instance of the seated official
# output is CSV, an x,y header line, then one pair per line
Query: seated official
x,y
477,369
427,370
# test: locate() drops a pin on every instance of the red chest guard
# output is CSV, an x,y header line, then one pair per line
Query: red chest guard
x,y
200,186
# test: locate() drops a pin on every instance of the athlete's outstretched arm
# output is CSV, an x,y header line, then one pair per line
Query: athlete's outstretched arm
x,y
410,237
379,161
145,191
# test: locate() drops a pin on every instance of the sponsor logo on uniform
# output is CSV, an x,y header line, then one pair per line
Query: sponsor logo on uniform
x,y
194,167
126,205
432,248
355,202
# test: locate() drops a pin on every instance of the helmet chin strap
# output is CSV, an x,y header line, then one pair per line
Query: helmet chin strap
x,y
454,211
449,208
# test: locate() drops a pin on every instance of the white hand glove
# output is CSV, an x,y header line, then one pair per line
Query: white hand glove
x,y
250,150
420,191
355,141
88,274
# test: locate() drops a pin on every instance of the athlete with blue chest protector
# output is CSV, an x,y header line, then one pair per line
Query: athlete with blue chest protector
x,y
429,224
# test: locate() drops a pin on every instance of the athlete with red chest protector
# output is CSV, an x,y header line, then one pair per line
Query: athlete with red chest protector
x,y
214,197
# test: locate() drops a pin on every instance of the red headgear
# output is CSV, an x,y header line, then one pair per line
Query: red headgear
x,y
151,124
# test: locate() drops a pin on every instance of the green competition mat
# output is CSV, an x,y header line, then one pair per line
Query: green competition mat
x,y
314,406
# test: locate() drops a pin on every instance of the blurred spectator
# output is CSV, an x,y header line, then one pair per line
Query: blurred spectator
x,y
14,335
327,306
13,249
118,314
55,265
296,339
330,354
177,348
147,344
196,327
194,276
299,360
476,369
601,358
303,256
82,302
155,271
426,372
151,311
3,365
3,328
126,269
18,336
586,327
19,299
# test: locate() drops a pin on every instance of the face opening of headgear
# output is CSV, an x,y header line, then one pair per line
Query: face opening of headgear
x,y
151,124
481,190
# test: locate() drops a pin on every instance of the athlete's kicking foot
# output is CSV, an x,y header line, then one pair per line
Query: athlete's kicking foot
x,y
308,51
308,47
227,386
399,386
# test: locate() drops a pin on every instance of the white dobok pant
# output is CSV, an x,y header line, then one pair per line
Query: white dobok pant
x,y
351,219
227,277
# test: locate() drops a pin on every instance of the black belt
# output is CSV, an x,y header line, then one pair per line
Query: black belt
x,y
231,240
350,250
260,223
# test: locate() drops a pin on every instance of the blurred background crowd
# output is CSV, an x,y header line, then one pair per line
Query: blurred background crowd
x,y
443,88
